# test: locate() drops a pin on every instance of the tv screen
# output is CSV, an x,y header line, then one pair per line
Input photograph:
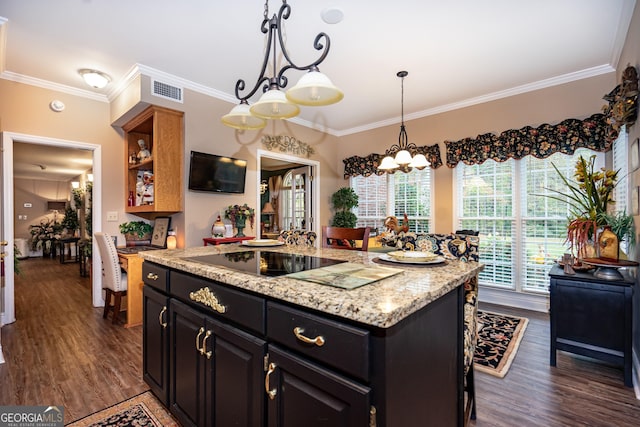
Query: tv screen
x,y
217,174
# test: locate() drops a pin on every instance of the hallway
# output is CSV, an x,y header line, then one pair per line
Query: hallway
x,y
60,351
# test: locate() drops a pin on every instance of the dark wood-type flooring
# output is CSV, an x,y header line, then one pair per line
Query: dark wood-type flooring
x,y
60,351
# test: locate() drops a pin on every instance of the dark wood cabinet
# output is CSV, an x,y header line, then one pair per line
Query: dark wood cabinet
x,y
303,394
592,317
238,358
216,371
155,350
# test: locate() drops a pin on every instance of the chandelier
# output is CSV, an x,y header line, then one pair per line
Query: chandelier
x,y
313,88
403,155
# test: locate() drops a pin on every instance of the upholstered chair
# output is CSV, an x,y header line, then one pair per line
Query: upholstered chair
x,y
114,280
298,237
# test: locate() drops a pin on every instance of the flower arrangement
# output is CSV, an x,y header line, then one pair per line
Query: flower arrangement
x,y
43,233
589,199
235,212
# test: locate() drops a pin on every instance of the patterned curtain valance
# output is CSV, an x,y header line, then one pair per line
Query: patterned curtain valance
x,y
565,137
367,166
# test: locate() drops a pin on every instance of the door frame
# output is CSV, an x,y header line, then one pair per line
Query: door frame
x,y
7,140
315,182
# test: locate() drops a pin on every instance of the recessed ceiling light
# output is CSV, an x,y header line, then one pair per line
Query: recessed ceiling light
x,y
94,78
332,15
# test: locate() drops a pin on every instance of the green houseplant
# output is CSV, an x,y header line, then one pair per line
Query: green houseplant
x,y
589,198
343,201
70,221
136,230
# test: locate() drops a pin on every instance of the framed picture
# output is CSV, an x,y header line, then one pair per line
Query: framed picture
x,y
635,201
160,230
635,155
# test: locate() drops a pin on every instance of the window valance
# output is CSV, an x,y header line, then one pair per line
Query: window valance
x,y
367,166
565,137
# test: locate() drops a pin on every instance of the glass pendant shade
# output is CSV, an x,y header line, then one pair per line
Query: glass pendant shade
x,y
388,164
241,118
419,162
403,157
314,89
273,104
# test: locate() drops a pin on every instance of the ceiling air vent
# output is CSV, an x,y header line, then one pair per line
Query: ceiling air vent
x,y
167,91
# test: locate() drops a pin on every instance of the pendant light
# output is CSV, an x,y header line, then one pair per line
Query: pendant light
x,y
399,155
313,88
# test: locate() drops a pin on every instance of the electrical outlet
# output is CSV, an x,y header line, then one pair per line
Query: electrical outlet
x,y
112,216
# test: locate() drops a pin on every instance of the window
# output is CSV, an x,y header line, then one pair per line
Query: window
x,y
380,196
295,208
522,232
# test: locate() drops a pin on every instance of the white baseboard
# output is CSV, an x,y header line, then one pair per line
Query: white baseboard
x,y
511,298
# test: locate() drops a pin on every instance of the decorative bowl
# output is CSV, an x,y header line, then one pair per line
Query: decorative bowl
x,y
416,256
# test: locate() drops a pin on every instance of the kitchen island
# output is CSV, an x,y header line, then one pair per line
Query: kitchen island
x,y
232,345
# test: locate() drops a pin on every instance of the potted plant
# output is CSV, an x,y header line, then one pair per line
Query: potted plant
x,y
239,215
70,221
136,230
343,201
589,198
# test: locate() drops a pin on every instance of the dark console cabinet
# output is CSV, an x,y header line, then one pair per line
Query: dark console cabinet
x,y
592,317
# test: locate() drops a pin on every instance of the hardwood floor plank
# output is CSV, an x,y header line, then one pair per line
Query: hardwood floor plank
x,y
61,351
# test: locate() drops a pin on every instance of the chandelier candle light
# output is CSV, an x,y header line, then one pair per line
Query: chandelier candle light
x,y
403,149
313,88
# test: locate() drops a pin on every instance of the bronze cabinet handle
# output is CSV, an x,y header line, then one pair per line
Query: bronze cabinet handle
x,y
162,323
203,350
152,276
270,393
298,331
200,332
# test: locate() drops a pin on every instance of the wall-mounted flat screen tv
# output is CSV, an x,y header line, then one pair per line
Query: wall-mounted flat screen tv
x,y
216,174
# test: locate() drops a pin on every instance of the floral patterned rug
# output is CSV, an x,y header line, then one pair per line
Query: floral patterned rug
x,y
499,336
143,410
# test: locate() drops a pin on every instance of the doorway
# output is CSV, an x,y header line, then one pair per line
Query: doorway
x,y
8,209
303,199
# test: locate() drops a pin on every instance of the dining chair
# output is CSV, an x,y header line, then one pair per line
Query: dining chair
x,y
345,238
298,237
114,280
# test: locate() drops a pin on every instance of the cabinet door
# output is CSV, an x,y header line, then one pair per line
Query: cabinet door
x,y
155,344
310,396
237,381
188,367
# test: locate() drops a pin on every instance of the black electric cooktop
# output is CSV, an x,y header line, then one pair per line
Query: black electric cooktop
x,y
265,263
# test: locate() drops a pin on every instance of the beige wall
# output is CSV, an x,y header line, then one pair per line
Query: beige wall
x,y
25,109
572,100
631,56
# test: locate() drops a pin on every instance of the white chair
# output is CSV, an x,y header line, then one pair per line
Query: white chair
x,y
114,280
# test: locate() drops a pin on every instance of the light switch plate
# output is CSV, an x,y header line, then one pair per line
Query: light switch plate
x,y
112,216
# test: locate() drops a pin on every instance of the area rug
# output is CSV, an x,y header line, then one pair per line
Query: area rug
x,y
143,410
499,336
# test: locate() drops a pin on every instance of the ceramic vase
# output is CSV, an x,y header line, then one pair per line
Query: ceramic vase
x,y
240,225
608,244
217,230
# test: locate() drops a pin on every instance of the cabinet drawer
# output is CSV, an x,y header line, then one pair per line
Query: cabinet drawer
x,y
343,347
244,309
155,276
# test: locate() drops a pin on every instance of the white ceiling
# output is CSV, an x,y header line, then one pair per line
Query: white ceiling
x,y
48,163
457,53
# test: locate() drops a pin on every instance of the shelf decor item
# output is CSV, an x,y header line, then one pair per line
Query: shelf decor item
x,y
608,245
217,229
590,197
239,215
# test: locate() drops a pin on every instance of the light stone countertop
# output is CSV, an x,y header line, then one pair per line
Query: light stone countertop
x,y
381,304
